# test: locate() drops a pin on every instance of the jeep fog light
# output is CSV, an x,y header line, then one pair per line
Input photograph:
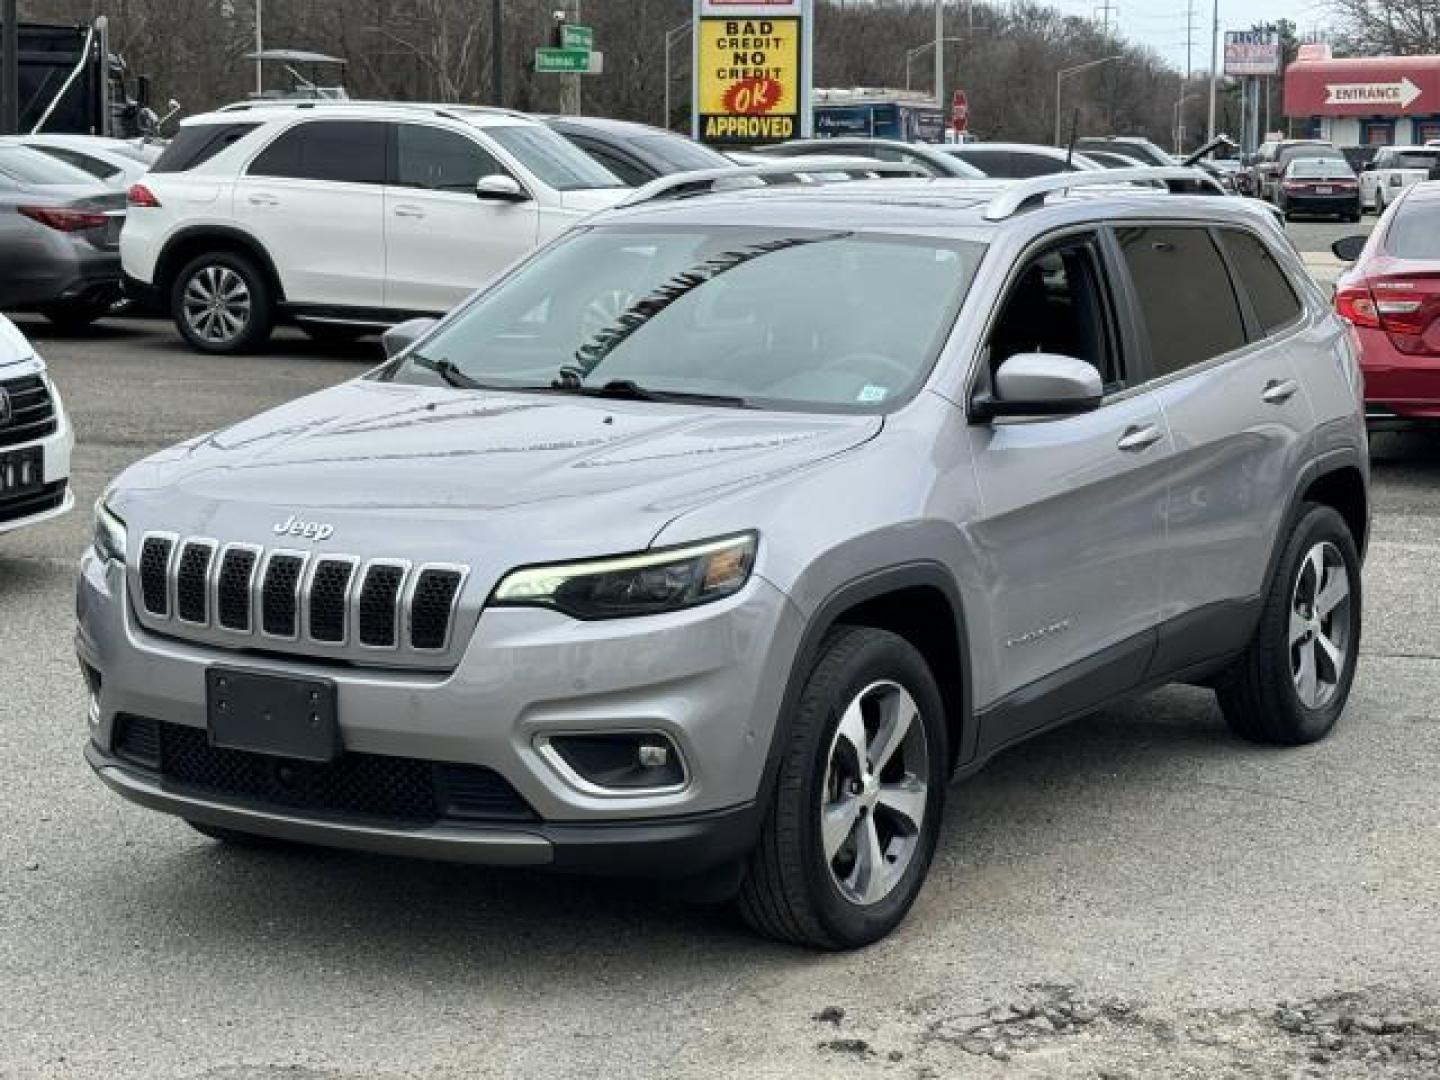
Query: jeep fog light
x,y
665,580
617,763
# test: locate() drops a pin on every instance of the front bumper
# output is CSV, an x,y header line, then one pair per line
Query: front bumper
x,y
708,679
56,497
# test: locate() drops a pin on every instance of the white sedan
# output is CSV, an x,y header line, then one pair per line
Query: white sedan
x,y
35,437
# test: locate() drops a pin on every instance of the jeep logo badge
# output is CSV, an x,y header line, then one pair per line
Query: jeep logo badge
x,y
306,530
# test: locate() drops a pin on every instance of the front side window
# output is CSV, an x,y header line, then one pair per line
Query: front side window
x,y
552,159
1187,304
1270,292
1060,304
765,317
439,160
336,151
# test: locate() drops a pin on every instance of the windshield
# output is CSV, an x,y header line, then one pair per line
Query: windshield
x,y
768,318
34,169
1319,169
552,158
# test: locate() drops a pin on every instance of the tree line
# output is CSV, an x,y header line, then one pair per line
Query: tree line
x,y
1005,56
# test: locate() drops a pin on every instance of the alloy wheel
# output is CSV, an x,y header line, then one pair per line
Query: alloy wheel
x,y
217,304
1320,625
872,804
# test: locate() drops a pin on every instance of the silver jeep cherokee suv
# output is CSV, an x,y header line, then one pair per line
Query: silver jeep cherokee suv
x,y
715,538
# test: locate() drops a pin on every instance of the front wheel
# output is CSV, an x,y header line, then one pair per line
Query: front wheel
x,y
852,827
222,303
1291,684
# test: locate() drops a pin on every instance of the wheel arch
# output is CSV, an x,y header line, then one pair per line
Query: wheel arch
x,y
200,239
1337,480
920,602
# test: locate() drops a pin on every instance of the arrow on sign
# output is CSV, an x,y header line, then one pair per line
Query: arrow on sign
x,y
1403,93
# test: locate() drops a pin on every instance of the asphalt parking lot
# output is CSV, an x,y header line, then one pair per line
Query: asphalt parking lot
x,y
1135,895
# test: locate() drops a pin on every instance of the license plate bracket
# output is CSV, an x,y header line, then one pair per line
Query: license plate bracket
x,y
272,714
21,471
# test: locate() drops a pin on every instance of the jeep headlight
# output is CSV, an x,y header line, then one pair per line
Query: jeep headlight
x,y
646,584
109,532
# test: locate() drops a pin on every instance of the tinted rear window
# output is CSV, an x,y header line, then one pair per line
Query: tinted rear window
x,y
336,151
34,169
1262,279
197,144
1414,159
1415,231
1311,150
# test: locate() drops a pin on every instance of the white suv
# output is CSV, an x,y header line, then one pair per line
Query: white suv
x,y
1394,169
345,217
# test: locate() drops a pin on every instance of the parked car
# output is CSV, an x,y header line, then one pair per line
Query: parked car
x,y
931,157
1141,150
1269,162
345,217
1391,296
1325,187
730,587
636,153
35,437
117,163
1393,168
827,166
59,238
1017,160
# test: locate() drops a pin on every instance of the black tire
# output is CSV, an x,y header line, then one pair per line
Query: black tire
x,y
259,319
789,891
334,333
74,316
235,837
1259,694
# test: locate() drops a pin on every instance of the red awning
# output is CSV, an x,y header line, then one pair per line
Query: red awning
x,y
1373,86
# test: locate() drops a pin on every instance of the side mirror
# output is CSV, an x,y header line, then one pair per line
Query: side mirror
x,y
1043,384
399,338
500,188
1348,249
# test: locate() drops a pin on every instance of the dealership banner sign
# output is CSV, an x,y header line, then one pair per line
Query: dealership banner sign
x,y
752,71
1252,52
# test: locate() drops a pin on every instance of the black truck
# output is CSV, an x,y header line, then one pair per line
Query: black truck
x,y
71,82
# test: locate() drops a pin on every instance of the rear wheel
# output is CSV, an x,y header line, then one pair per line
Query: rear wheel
x,y
1291,684
222,303
848,840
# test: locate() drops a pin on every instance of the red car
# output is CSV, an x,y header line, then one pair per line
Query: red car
x,y
1391,296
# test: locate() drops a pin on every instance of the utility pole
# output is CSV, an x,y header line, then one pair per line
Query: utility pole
x,y
1214,67
259,47
1105,8
940,55
1189,72
9,68
497,57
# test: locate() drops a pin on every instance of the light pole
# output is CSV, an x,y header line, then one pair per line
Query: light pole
x,y
1214,66
1065,73
940,56
1178,127
670,36
911,54
497,57
259,48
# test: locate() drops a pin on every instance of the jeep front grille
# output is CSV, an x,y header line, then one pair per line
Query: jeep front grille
x,y
243,596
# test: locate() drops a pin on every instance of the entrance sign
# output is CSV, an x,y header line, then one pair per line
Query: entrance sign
x,y
752,71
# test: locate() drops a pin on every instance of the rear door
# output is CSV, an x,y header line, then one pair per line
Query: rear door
x,y
1223,324
1073,519
314,197
442,241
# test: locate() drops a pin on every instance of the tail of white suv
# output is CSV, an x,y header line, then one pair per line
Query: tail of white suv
x,y
345,217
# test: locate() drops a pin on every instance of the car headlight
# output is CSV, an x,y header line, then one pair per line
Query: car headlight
x,y
109,532
646,584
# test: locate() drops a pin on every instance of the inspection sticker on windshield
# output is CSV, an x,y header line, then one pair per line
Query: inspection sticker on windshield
x,y
872,393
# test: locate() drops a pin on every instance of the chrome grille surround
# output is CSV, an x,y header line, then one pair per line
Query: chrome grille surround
x,y
267,599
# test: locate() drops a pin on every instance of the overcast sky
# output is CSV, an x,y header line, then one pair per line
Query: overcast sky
x,y
1160,24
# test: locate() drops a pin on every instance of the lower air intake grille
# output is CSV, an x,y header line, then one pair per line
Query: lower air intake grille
x,y
372,786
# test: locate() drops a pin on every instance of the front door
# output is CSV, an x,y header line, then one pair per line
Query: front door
x,y
442,241
1072,524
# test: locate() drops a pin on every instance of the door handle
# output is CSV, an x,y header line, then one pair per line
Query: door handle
x,y
1139,438
1277,392
264,200
409,211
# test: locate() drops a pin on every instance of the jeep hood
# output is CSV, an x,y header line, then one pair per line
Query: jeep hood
x,y
420,464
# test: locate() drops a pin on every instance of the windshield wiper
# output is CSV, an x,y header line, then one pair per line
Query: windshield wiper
x,y
449,371
629,390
